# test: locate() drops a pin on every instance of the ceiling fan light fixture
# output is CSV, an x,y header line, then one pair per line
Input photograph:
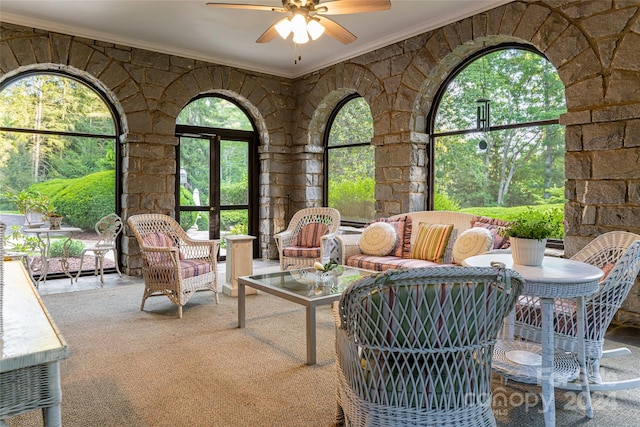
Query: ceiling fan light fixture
x,y
301,38
315,29
283,27
298,24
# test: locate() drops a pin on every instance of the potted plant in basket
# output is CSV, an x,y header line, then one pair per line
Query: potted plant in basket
x,y
528,235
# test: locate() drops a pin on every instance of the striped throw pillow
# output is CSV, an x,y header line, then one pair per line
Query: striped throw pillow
x,y
431,241
311,234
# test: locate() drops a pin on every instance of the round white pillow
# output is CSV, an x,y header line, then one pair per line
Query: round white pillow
x,y
378,239
474,241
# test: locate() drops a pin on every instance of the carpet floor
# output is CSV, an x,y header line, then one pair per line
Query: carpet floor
x,y
133,368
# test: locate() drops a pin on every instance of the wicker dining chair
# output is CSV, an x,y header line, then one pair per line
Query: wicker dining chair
x,y
310,237
617,253
173,264
108,227
414,346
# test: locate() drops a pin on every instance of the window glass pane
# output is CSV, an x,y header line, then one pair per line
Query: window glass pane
x,y
352,182
234,181
520,85
353,124
232,222
194,171
72,161
54,103
520,167
214,112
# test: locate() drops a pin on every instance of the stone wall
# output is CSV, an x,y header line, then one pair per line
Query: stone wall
x,y
592,44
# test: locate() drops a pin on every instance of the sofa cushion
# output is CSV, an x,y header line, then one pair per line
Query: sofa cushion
x,y
378,239
403,231
300,252
383,263
431,242
495,226
310,235
473,241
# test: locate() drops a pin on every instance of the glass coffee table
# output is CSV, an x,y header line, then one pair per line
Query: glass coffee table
x,y
304,287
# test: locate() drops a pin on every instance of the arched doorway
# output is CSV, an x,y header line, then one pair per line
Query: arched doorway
x,y
218,170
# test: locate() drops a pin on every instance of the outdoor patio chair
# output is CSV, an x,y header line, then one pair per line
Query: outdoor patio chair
x,y
173,264
617,253
414,346
107,228
310,237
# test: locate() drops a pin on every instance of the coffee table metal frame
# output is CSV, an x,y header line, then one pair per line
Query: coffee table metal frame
x,y
310,302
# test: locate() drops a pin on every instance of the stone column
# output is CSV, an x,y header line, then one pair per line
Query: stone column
x,y
239,263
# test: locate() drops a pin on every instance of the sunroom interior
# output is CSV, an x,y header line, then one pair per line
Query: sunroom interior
x,y
415,124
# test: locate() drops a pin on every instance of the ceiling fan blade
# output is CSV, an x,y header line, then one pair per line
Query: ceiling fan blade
x,y
247,7
268,35
342,7
335,30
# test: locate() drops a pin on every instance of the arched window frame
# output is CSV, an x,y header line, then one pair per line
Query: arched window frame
x,y
114,116
431,118
325,159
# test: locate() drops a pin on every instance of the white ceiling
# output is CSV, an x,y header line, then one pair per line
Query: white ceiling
x,y
227,36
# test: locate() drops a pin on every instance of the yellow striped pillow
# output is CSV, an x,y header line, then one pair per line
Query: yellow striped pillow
x,y
431,242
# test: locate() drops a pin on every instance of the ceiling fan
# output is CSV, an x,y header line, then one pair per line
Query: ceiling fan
x,y
307,18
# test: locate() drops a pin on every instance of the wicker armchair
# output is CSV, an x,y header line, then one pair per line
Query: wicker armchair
x,y
414,346
107,228
173,264
310,237
617,253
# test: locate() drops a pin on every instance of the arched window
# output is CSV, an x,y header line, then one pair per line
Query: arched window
x,y
349,163
497,147
59,138
219,170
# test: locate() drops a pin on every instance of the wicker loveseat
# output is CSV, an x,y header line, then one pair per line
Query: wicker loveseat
x,y
407,233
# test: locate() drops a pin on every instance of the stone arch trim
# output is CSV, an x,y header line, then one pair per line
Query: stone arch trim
x,y
333,87
553,33
249,93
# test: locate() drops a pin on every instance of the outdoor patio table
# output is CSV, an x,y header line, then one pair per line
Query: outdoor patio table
x,y
44,241
555,278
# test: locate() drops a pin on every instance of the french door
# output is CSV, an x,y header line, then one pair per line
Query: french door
x,y
216,185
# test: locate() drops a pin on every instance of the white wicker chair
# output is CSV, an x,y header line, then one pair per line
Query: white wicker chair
x,y
173,264
294,255
414,346
617,252
107,228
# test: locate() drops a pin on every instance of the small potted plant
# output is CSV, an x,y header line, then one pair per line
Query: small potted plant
x,y
54,218
528,235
